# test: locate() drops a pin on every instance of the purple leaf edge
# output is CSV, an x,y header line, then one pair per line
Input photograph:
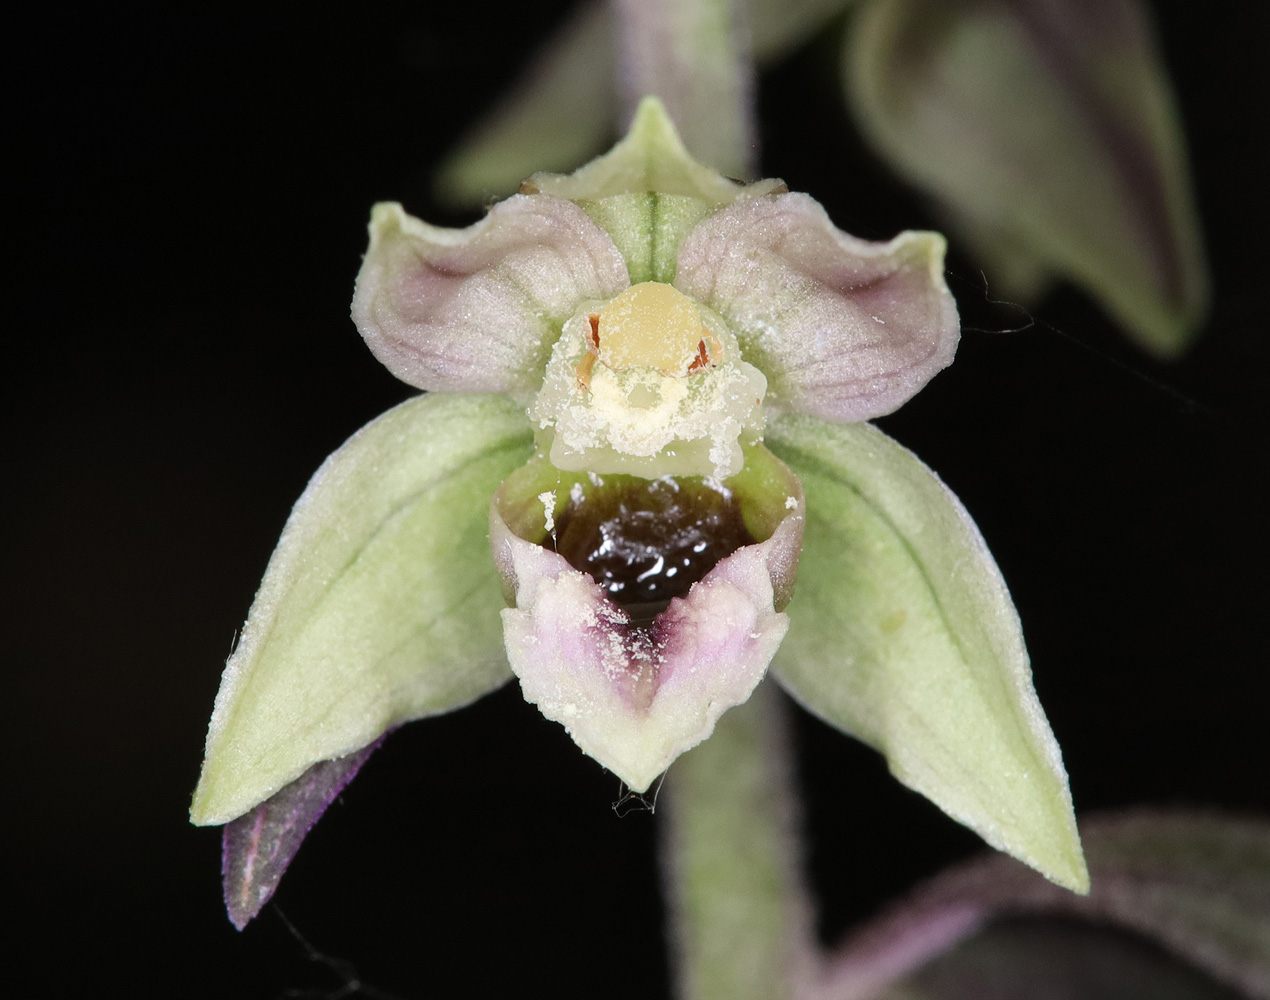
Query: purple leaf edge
x,y
257,847
1123,849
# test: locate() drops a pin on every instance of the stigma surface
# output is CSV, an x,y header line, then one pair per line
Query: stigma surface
x,y
648,383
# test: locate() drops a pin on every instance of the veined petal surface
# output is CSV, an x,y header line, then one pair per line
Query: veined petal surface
x,y
843,328
903,634
379,605
477,309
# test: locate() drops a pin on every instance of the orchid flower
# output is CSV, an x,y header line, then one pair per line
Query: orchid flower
x,y
643,424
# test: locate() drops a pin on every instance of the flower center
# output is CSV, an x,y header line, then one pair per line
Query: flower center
x,y
648,383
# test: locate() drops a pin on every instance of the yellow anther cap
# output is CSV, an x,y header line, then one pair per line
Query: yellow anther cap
x,y
651,324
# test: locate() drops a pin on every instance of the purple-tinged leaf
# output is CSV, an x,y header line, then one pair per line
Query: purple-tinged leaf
x,y
1197,885
258,847
1048,958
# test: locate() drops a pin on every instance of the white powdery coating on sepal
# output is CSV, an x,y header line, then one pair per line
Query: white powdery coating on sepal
x,y
635,699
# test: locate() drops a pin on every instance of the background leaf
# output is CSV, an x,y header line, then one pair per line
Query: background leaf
x,y
1191,884
563,109
1055,960
1049,131
562,112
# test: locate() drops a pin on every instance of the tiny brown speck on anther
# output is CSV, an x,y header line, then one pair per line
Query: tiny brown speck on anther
x,y
702,359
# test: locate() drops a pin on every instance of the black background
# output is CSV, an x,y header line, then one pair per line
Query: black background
x,y
187,219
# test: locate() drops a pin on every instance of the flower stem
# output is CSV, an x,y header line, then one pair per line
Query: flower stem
x,y
741,923
695,56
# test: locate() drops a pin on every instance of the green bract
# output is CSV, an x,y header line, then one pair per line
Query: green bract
x,y
646,319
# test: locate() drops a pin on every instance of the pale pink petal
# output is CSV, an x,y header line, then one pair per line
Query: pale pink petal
x,y
636,697
477,309
843,329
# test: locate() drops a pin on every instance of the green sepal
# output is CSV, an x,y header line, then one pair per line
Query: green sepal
x,y
647,229
651,158
379,605
1049,132
903,635
648,192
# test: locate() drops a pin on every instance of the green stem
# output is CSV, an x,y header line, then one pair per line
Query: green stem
x,y
695,56
740,923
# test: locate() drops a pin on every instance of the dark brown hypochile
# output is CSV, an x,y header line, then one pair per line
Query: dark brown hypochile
x,y
647,541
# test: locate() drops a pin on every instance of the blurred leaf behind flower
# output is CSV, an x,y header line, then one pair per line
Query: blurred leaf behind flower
x,y
1045,133
1179,910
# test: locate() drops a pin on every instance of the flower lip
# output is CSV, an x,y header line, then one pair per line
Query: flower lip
x,y
616,527
636,684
